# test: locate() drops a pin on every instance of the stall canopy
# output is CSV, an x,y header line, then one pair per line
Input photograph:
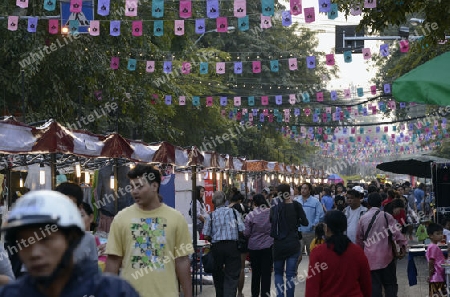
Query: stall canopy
x,y
21,143
419,166
427,83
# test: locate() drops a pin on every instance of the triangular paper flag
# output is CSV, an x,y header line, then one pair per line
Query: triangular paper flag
x,y
150,66
266,22
76,6
157,8
114,28
370,3
295,7
200,26
94,28
366,53
53,26
182,100
311,62
136,27
286,18
267,7
243,23
131,64
103,7
32,24
115,63
220,67
310,15
292,64
240,8
185,9
179,27
238,67
256,66
167,68
186,68
131,8
158,28
330,59
274,66
13,22
50,5
222,24
212,9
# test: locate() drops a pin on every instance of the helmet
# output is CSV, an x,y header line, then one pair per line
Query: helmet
x,y
359,189
43,207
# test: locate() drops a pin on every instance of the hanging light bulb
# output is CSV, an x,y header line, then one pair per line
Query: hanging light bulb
x,y
210,175
242,177
87,177
224,175
132,165
41,175
78,169
217,175
272,177
186,176
199,176
21,181
111,181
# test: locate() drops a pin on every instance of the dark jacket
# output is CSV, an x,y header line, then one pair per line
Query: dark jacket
x,y
86,280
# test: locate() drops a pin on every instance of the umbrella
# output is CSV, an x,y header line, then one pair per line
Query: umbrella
x,y
419,166
427,83
335,178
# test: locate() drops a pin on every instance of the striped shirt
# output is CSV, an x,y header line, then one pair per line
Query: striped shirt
x,y
223,225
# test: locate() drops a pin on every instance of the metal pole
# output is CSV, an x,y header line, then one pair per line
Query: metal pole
x,y
245,186
214,179
79,102
194,228
24,118
53,169
116,181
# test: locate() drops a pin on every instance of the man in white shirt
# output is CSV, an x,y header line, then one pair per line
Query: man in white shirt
x,y
354,211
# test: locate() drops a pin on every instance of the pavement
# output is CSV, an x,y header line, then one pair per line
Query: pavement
x,y
419,290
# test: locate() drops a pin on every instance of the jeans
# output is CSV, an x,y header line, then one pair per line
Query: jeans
x,y
291,270
387,278
261,263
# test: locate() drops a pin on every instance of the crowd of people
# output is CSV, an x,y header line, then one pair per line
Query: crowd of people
x,y
352,236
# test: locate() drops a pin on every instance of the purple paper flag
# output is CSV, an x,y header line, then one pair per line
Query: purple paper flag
x,y
266,22
297,111
103,7
167,67
370,3
168,100
223,101
186,68
136,27
310,15
296,7
222,24
256,66
238,67
32,24
333,95
387,88
185,9
76,6
355,10
286,18
212,9
384,50
311,62
115,63
114,28
200,26
240,8
278,99
324,5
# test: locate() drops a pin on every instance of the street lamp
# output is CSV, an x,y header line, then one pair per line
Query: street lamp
x,y
229,29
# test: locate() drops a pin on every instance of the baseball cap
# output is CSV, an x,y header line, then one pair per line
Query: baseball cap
x,y
359,189
267,190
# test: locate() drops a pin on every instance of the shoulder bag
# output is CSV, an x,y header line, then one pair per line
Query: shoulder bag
x,y
397,251
242,243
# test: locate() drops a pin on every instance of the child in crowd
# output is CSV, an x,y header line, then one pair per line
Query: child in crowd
x,y
446,231
319,236
435,258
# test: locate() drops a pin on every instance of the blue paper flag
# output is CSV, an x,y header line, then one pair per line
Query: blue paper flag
x,y
103,7
158,28
212,9
261,118
200,26
347,56
243,23
286,18
238,67
204,68
157,8
278,99
32,25
131,64
167,67
360,92
274,65
223,101
50,5
196,101
251,101
268,7
73,26
305,96
324,5
168,100
333,95
333,13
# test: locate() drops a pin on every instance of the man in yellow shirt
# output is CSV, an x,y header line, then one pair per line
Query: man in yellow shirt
x,y
150,241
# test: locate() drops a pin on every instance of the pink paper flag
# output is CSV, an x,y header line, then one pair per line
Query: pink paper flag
x,y
22,3
310,15
131,8
115,63
404,46
150,66
292,64
373,90
264,100
292,99
256,66
182,100
222,24
13,22
185,9
347,94
366,53
186,68
266,22
94,28
370,3
307,112
220,67
137,28
240,8
319,96
179,27
296,7
386,129
330,59
76,6
237,101
209,101
53,26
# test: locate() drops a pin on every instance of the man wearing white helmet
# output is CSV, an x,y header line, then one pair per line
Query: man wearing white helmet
x,y
354,211
45,227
